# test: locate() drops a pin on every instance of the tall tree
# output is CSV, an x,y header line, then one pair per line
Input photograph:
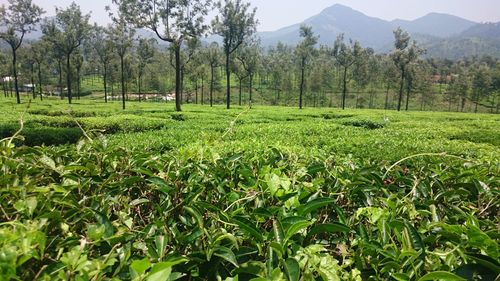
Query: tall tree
x,y
390,77
3,72
235,22
249,57
404,54
122,35
145,54
18,19
104,48
304,52
78,61
481,84
39,56
214,57
172,21
67,32
346,55
187,56
28,66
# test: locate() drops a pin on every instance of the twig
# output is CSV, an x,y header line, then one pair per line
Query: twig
x,y
442,154
234,122
241,199
21,123
40,272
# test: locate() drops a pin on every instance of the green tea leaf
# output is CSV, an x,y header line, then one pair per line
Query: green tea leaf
x,y
313,205
247,226
442,276
140,266
292,269
160,272
226,254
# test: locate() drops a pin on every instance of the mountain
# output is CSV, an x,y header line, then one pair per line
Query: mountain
x,y
332,21
435,24
489,31
442,35
478,40
369,31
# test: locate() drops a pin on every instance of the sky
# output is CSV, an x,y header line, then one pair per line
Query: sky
x,y
275,14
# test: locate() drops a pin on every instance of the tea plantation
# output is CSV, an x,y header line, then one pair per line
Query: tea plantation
x,y
92,192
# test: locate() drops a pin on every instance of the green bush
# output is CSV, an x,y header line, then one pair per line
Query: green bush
x,y
43,135
367,124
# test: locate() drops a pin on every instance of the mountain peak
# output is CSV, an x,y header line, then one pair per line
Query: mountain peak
x,y
338,8
436,24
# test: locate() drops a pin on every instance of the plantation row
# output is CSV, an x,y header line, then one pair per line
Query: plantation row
x,y
261,194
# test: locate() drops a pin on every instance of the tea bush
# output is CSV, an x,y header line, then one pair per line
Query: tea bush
x,y
261,194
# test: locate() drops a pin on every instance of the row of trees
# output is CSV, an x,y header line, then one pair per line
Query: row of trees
x,y
306,74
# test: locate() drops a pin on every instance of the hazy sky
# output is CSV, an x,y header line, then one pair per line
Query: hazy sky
x,y
274,14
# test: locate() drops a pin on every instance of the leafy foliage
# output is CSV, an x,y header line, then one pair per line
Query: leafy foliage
x,y
225,207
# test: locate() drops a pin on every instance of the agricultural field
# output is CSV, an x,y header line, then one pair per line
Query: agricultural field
x,y
93,192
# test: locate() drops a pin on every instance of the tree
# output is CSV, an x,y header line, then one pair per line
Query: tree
x,y
67,32
145,54
172,21
481,84
3,72
78,61
403,55
346,55
496,87
20,18
214,57
304,52
234,24
39,49
103,47
121,34
28,66
187,54
241,74
198,70
249,57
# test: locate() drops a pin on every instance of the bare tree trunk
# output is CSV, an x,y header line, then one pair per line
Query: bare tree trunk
x,y
202,90
182,86
476,102
211,86
122,80
177,50
344,89
139,82
228,82
196,91
250,91
302,70
78,84
105,78
401,86
14,70
40,92
60,80
408,90
68,77
239,98
4,87
33,81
